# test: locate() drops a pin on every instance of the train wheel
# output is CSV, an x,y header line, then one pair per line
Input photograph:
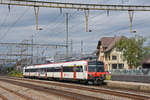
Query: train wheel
x,y
90,82
100,82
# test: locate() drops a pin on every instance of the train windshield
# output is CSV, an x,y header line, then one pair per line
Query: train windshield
x,y
96,67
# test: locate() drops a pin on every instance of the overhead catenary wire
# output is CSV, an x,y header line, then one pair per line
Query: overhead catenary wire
x,y
37,34
123,27
74,26
4,21
54,27
13,24
90,25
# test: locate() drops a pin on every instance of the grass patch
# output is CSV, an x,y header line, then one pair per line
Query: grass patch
x,y
15,73
108,77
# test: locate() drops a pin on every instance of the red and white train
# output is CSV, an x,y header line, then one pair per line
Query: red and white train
x,y
84,70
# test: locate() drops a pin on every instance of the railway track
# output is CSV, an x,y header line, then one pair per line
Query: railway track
x,y
96,90
79,87
3,97
65,94
16,93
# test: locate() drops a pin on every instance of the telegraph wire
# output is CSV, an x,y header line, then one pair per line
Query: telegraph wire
x,y
124,27
4,20
55,26
13,24
44,30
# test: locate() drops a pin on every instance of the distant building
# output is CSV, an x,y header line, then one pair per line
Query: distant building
x,y
107,53
146,62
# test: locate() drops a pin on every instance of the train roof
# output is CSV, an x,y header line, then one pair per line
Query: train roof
x,y
58,64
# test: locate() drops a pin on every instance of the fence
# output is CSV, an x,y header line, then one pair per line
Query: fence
x,y
140,75
145,72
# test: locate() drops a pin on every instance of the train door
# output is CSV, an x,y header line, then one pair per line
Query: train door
x,y
85,71
79,70
42,72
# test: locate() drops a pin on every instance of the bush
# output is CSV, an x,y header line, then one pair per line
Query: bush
x,y
15,73
108,77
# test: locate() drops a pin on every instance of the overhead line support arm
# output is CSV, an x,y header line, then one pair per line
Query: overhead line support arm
x,y
36,12
131,13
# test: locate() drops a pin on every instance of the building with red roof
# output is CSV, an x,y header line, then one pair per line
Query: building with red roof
x,y
109,55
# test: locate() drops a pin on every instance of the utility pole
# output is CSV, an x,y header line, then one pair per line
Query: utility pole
x,y
37,54
67,36
71,48
81,47
32,50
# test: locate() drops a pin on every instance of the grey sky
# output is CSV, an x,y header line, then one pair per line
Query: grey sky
x,y
19,24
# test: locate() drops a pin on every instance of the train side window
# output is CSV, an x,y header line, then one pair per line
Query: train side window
x,y
51,69
57,69
79,69
33,70
41,70
67,69
26,70
29,70
36,70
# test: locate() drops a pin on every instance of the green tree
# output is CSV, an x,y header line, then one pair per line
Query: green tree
x,y
133,50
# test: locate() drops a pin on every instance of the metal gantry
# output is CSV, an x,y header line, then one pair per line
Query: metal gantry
x,y
75,5
86,7
21,52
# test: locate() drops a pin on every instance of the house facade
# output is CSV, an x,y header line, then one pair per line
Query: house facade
x,y
107,53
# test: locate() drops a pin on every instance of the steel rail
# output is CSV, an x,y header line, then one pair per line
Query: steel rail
x,y
67,94
3,97
76,5
105,91
16,93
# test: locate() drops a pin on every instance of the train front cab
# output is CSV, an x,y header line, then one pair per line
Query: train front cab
x,y
96,72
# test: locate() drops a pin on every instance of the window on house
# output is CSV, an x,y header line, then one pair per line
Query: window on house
x,y
121,66
114,57
114,66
